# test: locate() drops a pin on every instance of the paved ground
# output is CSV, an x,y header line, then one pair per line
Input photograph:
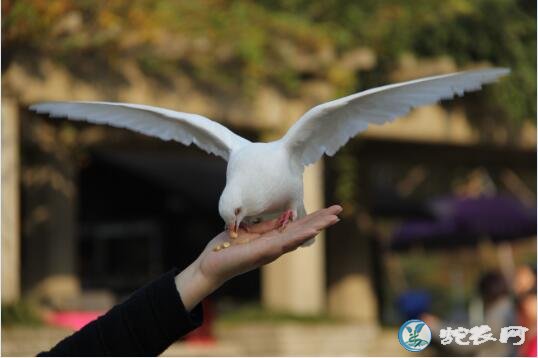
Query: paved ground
x,y
242,340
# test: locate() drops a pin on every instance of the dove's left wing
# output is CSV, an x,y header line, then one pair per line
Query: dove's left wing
x,y
328,126
165,124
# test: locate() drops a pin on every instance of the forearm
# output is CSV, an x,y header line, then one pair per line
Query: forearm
x,y
145,324
193,286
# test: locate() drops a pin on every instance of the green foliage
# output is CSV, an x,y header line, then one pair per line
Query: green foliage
x,y
20,313
346,189
501,32
234,46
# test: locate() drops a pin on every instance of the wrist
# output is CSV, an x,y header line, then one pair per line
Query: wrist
x,y
193,286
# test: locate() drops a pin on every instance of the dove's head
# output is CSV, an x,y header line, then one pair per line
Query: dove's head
x,y
231,209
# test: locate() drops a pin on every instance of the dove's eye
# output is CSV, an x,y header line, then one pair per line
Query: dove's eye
x,y
237,211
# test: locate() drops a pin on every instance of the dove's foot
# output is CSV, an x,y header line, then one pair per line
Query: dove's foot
x,y
284,219
244,227
221,246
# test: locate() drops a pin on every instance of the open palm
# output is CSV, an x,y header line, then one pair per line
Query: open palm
x,y
261,244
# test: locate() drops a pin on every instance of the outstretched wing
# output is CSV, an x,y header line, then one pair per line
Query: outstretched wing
x,y
165,124
328,126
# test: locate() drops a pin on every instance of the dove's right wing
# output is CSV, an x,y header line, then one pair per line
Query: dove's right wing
x,y
327,127
165,124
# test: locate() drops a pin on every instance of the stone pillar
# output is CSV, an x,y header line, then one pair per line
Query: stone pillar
x,y
350,258
352,297
296,282
49,214
10,202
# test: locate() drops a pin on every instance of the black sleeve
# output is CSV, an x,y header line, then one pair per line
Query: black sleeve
x,y
149,321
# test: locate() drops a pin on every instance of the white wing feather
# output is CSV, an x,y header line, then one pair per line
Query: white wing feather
x,y
165,124
328,126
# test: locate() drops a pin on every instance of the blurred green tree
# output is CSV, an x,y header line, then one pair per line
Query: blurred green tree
x,y
239,45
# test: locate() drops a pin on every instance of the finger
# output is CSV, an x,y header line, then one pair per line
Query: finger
x,y
297,240
274,244
325,221
334,209
264,226
309,217
305,239
298,231
269,225
311,229
282,244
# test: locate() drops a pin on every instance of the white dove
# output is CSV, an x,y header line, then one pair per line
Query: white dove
x,y
266,179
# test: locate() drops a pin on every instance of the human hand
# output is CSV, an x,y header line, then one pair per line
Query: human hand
x,y
262,244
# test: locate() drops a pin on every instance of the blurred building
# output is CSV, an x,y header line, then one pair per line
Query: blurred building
x,y
88,210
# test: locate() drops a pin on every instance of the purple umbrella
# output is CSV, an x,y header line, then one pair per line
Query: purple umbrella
x,y
465,220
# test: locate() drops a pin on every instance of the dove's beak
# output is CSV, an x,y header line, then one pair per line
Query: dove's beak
x,y
233,229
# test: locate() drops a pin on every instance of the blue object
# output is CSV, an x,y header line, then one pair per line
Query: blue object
x,y
412,304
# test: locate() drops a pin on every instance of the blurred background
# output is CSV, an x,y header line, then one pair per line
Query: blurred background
x,y
439,216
